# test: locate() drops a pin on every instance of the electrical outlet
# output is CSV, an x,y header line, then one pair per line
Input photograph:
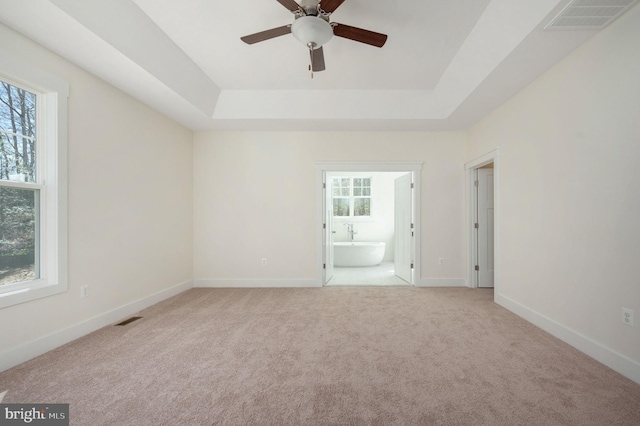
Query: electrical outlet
x,y
627,316
440,260
264,261
84,291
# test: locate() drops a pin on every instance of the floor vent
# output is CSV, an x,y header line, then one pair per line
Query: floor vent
x,y
128,321
589,14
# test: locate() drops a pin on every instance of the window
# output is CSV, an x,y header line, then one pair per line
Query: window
x,y
351,196
19,190
33,253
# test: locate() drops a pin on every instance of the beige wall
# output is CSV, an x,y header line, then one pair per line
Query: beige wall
x,y
569,195
129,209
255,196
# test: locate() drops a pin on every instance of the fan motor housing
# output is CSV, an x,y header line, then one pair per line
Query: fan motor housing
x,y
312,31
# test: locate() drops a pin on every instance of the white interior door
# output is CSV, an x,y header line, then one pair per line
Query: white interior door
x,y
484,227
403,229
328,230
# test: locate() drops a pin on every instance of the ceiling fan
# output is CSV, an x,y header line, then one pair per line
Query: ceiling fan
x,y
312,27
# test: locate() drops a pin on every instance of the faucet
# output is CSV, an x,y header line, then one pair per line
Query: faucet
x,y
350,231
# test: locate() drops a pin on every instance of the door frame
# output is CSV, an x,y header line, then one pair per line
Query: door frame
x,y
403,233
323,167
470,168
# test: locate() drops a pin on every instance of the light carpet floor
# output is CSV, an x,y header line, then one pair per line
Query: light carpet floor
x,y
326,356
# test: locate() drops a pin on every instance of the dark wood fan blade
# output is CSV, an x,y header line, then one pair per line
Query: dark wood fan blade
x,y
266,35
317,59
290,4
358,34
330,5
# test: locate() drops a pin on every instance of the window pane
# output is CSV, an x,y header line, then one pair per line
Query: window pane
x,y
362,207
341,207
18,222
341,187
357,182
17,158
17,134
357,192
20,105
366,182
366,192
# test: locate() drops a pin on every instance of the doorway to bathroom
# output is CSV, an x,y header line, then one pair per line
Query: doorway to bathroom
x,y
370,223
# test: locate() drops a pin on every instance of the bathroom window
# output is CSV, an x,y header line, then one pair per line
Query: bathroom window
x,y
351,196
32,197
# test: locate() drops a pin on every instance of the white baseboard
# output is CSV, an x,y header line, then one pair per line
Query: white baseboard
x,y
256,283
27,351
283,283
441,282
618,362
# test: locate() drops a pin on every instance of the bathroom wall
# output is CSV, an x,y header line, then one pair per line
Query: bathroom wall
x,y
380,226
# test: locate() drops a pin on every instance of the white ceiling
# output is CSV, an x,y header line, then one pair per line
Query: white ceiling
x,y
445,65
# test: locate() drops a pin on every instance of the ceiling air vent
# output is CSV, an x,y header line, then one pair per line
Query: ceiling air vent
x,y
589,14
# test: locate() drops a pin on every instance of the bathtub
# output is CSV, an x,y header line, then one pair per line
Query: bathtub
x,y
357,254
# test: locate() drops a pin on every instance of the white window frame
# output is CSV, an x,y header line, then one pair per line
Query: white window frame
x,y
52,93
352,198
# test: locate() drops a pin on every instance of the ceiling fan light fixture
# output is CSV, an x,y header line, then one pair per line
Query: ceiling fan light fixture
x,y
312,31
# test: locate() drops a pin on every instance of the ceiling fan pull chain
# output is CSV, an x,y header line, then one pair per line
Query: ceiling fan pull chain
x,y
310,45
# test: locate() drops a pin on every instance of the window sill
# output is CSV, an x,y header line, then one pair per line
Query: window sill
x,y
29,291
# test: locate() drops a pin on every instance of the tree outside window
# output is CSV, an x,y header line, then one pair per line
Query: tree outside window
x,y
19,192
361,196
351,196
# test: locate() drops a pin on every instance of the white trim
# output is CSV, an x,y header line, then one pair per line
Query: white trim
x,y
470,167
29,350
256,283
409,167
441,282
320,202
618,362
